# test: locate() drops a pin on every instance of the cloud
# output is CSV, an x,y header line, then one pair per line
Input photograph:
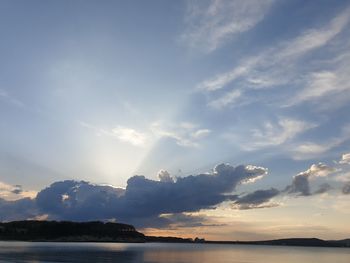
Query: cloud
x,y
73,200
264,69
14,192
256,199
201,133
225,100
301,181
164,176
11,99
21,209
212,23
320,85
129,135
318,170
276,134
309,150
346,188
323,188
121,133
185,134
345,159
142,202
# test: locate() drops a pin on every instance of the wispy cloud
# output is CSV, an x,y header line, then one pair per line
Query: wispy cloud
x,y
121,133
185,134
129,135
225,100
309,150
277,65
11,99
321,85
212,23
273,134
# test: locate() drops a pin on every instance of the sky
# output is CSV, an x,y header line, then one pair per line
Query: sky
x,y
220,119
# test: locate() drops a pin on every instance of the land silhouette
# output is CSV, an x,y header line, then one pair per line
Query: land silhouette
x,y
96,231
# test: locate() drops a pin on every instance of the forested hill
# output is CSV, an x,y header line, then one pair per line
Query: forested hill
x,y
69,231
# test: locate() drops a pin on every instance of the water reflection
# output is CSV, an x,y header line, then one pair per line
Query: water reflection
x,y
170,253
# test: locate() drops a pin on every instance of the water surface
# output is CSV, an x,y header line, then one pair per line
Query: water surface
x,y
170,253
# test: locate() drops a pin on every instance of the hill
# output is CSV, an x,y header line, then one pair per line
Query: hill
x,y
69,231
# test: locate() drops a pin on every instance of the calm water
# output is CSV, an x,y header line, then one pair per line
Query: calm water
x,y
169,253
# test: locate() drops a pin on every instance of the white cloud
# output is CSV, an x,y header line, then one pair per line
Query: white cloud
x,y
221,80
276,134
309,150
225,100
200,133
318,170
334,82
185,134
121,133
315,38
129,135
345,159
212,24
277,66
262,171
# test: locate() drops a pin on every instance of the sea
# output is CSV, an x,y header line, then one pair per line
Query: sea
x,y
35,252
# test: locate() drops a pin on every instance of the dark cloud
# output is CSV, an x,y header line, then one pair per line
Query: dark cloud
x,y
73,200
323,188
346,188
17,189
257,199
144,201
17,210
300,185
164,176
301,182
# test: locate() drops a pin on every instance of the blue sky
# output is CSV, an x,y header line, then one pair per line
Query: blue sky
x,y
103,90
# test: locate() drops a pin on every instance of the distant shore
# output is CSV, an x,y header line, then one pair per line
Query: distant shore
x,y
66,231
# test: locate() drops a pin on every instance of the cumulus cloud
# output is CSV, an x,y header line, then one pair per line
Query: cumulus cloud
x,y
21,209
142,202
212,23
301,185
75,200
164,176
318,170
